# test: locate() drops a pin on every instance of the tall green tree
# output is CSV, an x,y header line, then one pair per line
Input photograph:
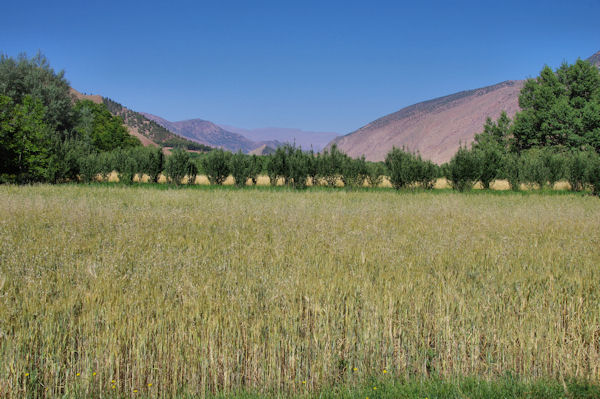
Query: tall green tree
x,y
24,140
96,126
560,109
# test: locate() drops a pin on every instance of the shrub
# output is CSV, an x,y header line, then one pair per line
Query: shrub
x,y
594,175
490,162
402,167
578,165
89,167
256,167
298,167
277,166
155,163
241,168
556,164
330,164
464,169
178,166
427,173
354,172
534,169
216,165
375,173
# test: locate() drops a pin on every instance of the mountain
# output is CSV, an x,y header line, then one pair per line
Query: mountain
x,y
434,128
148,131
262,150
595,59
276,136
206,132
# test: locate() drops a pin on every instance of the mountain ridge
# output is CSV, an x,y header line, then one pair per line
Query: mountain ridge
x,y
434,128
205,132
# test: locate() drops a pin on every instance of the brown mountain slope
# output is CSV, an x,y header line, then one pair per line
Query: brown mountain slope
x,y
80,96
205,132
595,59
148,131
434,128
131,129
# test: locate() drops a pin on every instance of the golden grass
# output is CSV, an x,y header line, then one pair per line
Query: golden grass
x,y
197,291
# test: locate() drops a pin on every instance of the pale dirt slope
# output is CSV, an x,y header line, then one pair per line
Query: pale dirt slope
x,y
434,128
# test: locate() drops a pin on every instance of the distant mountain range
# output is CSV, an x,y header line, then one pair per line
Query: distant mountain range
x,y
275,136
435,128
595,59
234,138
205,132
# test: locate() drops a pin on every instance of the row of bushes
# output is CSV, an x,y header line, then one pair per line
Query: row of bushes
x,y
539,167
296,168
292,166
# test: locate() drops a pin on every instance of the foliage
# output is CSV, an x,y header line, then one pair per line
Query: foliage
x,y
407,169
217,166
33,77
560,109
178,166
241,168
256,168
24,140
100,129
464,169
44,136
354,172
375,173
578,169
534,168
330,164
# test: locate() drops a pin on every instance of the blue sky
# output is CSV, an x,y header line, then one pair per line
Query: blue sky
x,y
316,65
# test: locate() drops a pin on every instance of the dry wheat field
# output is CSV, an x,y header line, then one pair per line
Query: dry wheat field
x,y
121,291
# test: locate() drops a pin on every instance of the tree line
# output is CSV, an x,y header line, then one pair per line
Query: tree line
x,y
555,136
47,136
44,133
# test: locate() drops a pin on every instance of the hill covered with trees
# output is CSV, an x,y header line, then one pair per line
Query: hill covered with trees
x,y
43,132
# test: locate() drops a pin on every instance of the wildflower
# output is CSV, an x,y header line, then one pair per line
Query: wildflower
x,y
384,371
304,382
113,387
26,374
355,369
135,391
374,388
94,373
149,384
78,374
113,381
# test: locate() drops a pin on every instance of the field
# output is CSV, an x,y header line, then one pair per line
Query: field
x,y
114,291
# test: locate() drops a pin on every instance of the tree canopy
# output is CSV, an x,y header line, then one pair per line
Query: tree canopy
x,y
560,109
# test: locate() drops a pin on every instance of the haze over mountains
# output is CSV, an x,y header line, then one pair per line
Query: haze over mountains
x,y
235,138
303,138
436,128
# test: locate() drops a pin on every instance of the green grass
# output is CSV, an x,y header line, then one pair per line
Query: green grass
x,y
217,291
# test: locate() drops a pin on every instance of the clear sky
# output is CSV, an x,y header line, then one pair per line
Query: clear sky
x,y
317,65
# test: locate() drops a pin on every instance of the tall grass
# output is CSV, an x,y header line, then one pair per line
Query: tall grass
x,y
173,292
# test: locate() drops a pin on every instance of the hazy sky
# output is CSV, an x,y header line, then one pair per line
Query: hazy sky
x,y
320,65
